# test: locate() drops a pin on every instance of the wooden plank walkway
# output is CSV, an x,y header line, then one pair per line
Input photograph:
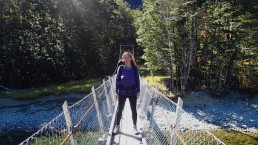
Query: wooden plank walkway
x,y
126,135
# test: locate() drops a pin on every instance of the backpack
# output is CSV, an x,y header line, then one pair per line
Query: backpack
x,y
120,70
119,63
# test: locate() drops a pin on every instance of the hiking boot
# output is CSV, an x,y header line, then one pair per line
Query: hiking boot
x,y
117,129
136,132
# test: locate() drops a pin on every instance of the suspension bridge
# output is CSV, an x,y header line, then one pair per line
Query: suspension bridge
x,y
91,121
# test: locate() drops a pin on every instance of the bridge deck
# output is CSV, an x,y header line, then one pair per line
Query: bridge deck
x,y
126,136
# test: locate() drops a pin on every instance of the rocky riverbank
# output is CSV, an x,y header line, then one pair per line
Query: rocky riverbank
x,y
234,111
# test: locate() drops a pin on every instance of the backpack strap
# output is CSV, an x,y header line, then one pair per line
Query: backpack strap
x,y
135,75
120,71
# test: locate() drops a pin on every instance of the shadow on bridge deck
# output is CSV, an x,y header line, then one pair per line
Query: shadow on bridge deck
x,y
126,136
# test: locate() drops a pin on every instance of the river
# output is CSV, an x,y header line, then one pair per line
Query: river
x,y
21,118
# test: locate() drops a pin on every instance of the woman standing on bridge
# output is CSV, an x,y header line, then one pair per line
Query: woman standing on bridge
x,y
127,86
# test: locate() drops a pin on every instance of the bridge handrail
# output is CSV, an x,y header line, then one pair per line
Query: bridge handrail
x,y
87,128
112,125
186,128
94,116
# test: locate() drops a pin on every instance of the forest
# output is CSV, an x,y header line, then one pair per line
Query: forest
x,y
208,44
45,42
201,44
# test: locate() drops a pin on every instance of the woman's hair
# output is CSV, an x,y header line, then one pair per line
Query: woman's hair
x,y
131,56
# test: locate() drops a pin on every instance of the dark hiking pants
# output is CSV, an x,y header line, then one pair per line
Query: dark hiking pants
x,y
121,104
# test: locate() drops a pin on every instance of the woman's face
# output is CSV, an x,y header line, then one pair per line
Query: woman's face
x,y
127,58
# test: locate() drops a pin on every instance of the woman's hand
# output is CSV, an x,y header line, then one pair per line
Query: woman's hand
x,y
117,95
138,95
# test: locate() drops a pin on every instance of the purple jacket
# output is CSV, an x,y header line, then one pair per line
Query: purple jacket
x,y
128,83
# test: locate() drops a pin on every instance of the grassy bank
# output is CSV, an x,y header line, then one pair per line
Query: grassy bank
x,y
82,86
155,79
236,138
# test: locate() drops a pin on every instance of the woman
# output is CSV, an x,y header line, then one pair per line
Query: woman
x,y
127,86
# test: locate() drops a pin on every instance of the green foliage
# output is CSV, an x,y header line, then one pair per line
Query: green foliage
x,y
209,44
45,42
236,138
150,36
82,138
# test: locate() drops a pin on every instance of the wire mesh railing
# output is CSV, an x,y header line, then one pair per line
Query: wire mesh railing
x,y
90,121
89,118
165,122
